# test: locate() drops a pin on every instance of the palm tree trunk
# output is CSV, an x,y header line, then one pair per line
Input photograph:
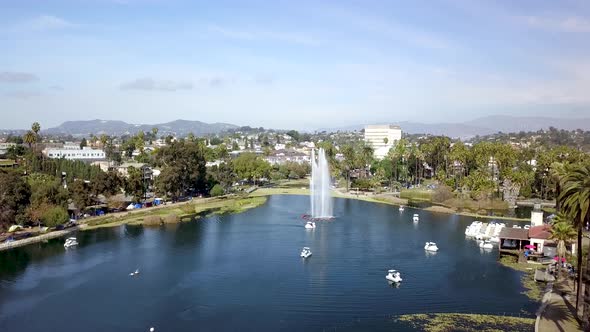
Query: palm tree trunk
x,y
347,180
557,193
586,314
579,268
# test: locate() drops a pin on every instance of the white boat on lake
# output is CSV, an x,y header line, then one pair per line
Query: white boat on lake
x,y
393,276
70,242
486,245
306,252
430,246
310,225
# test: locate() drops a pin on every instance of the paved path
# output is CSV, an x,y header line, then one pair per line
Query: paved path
x,y
558,310
33,239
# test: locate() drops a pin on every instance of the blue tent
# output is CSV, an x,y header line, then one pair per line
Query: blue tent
x,y
137,206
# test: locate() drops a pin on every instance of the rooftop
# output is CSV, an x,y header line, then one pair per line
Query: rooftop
x,y
514,233
389,126
540,232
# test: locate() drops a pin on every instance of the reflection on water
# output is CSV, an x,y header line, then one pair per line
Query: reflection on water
x,y
523,212
228,272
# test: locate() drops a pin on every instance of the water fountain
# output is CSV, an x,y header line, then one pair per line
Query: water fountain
x,y
321,200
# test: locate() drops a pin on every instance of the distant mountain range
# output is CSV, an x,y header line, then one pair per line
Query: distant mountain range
x,y
484,126
110,127
480,126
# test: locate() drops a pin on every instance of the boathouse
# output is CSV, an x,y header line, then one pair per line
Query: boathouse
x,y
513,240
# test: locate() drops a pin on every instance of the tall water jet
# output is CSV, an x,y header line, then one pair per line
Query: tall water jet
x,y
321,200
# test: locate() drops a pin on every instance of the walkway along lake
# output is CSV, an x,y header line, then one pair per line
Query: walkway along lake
x,y
243,271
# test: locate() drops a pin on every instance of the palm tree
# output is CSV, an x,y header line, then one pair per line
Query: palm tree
x,y
30,138
562,232
349,162
575,200
366,155
557,172
36,127
103,140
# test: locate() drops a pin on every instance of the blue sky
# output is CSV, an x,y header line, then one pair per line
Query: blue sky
x,y
292,64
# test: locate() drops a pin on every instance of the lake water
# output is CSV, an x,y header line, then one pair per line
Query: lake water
x,y
243,272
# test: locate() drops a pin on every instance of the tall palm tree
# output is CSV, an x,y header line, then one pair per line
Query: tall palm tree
x,y
30,138
557,171
562,232
103,140
36,127
575,200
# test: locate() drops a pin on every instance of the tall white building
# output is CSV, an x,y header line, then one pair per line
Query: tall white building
x,y
382,138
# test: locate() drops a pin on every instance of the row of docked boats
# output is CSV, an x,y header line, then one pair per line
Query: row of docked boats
x,y
484,231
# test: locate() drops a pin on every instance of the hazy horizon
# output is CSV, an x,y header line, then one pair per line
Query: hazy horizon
x,y
292,65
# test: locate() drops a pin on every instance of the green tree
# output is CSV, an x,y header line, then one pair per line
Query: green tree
x,y
80,193
251,167
575,202
83,143
222,174
183,168
14,152
294,134
55,215
14,198
106,183
134,183
46,189
217,190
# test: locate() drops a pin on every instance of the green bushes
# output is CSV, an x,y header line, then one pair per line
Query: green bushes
x,y
217,190
55,215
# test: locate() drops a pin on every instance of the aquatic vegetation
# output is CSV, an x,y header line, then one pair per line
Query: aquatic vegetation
x,y
534,289
442,322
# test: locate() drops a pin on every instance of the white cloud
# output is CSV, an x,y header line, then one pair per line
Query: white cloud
x,y
261,35
151,84
23,94
567,24
48,22
17,77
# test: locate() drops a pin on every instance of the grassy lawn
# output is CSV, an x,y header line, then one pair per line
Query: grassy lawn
x,y
416,194
198,207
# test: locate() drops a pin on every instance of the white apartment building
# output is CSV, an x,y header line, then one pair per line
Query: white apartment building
x,y
382,138
5,146
75,154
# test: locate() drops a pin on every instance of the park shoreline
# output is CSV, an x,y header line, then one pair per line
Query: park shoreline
x,y
383,199
227,204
